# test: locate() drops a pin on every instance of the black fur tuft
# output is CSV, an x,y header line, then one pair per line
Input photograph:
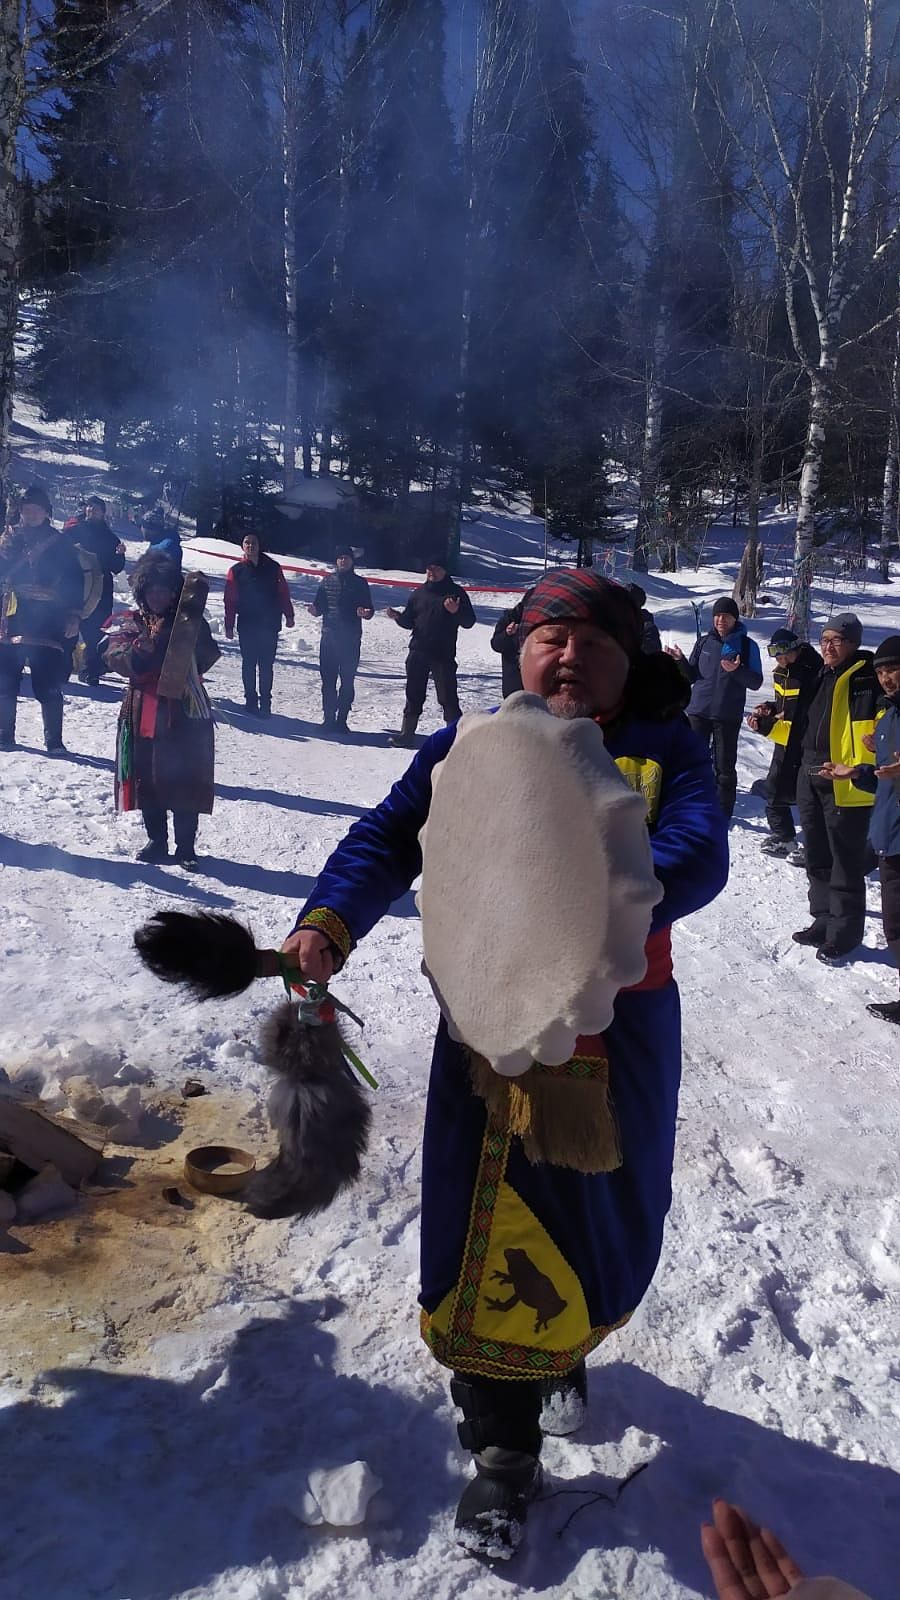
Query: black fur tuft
x,y
320,1114
209,954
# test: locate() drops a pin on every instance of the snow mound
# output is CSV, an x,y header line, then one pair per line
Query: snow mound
x,y
338,1496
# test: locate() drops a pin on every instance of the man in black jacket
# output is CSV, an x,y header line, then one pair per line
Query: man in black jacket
x,y
722,667
93,534
834,812
434,613
505,640
651,643
344,602
797,675
42,591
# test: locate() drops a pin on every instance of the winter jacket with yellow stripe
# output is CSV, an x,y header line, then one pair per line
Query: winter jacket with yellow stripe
x,y
794,688
845,707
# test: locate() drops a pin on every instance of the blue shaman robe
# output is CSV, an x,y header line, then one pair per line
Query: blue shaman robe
x,y
525,1267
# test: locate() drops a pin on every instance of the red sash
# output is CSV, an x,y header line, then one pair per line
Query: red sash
x,y
658,950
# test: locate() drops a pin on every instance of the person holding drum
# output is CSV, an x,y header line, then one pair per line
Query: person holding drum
x,y
563,835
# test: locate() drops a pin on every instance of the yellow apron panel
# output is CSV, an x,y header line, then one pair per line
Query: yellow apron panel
x,y
645,777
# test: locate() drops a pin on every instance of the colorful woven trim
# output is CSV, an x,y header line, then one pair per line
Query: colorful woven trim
x,y
459,1347
489,1358
333,927
577,1067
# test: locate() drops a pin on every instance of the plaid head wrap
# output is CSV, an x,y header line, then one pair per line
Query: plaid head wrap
x,y
578,594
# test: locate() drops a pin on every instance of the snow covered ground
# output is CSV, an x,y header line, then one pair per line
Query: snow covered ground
x,y
170,1377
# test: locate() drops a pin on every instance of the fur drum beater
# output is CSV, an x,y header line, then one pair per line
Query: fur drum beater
x,y
316,1106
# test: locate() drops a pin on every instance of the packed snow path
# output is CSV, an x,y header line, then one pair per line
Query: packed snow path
x,y
170,1377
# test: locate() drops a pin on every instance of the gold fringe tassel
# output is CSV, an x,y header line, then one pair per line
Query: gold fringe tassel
x,y
563,1115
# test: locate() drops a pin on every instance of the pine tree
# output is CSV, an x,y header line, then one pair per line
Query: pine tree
x,y
159,263
543,301
399,343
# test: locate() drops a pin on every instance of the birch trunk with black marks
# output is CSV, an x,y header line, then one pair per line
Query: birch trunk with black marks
x,y
807,498
746,587
12,100
889,506
289,153
648,483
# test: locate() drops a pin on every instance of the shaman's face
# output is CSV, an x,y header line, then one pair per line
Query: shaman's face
x,y
578,668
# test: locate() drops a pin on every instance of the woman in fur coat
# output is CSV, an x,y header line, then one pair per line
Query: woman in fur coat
x,y
164,747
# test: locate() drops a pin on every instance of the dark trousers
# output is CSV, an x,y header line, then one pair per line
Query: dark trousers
x,y
781,791
338,659
185,825
723,736
836,839
889,872
258,646
418,670
91,629
48,674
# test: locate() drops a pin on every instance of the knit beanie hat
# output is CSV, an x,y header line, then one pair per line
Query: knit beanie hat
x,y
727,605
36,495
341,550
888,652
847,625
782,640
578,594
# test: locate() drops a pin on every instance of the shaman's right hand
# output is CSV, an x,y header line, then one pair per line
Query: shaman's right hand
x,y
313,952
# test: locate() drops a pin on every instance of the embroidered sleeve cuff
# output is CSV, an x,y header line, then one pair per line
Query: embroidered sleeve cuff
x,y
329,923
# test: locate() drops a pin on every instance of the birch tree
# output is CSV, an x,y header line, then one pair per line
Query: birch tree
x,y
15,26
815,106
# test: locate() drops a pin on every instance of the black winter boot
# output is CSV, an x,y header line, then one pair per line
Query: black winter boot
x,y
565,1402
773,846
157,847
185,825
814,934
406,738
885,1010
8,708
500,1426
52,717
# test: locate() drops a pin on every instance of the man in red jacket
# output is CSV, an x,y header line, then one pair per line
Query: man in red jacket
x,y
257,597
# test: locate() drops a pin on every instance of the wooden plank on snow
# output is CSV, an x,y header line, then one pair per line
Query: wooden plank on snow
x,y
38,1140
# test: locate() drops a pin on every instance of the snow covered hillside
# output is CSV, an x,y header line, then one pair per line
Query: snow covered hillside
x,y
169,1377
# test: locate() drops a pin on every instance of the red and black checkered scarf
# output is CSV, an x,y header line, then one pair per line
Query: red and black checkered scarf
x,y
578,594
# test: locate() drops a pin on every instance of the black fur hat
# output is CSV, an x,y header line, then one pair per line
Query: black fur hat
x,y
155,570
